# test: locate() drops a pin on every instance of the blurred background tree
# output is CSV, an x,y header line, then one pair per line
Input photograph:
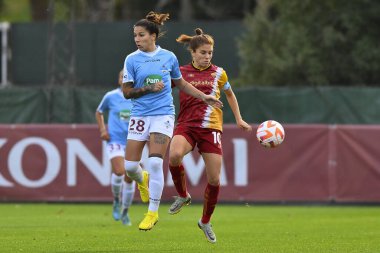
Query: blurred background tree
x,y
14,11
293,42
116,10
305,42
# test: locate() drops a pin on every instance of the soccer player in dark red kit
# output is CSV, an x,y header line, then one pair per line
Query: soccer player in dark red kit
x,y
200,124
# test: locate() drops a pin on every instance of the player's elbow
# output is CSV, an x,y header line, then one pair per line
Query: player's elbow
x,y
126,89
180,83
127,95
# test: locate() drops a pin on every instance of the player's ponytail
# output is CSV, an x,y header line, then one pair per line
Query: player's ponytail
x,y
198,31
184,39
157,18
152,21
197,40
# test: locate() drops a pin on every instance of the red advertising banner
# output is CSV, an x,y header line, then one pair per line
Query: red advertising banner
x,y
316,163
357,164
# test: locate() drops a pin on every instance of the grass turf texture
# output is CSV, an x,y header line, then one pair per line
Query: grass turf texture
x,y
239,228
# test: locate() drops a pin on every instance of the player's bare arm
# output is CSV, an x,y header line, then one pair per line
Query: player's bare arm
x,y
232,101
101,125
130,92
192,91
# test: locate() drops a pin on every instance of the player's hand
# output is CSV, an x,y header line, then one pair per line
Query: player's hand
x,y
213,101
104,135
243,125
157,87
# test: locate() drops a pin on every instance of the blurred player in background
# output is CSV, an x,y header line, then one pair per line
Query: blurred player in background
x,y
148,73
201,125
119,110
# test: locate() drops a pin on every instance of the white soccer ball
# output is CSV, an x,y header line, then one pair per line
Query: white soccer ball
x,y
270,134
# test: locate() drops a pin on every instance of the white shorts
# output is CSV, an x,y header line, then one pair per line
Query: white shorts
x,y
140,128
115,149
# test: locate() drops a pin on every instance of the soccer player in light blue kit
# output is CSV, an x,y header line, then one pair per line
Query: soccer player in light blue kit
x,y
119,110
148,73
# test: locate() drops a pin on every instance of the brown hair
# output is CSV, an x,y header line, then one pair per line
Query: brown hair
x,y
194,42
152,22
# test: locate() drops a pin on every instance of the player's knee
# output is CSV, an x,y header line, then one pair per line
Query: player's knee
x,y
119,171
214,181
155,163
175,158
131,166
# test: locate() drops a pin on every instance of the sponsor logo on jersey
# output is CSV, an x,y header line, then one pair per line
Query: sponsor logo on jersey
x,y
202,83
152,79
124,115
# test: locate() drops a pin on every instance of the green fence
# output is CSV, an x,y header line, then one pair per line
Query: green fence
x,y
288,105
100,49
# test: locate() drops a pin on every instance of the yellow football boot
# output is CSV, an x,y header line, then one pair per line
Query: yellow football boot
x,y
151,218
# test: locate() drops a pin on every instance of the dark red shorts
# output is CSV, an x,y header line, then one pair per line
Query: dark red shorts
x,y
207,140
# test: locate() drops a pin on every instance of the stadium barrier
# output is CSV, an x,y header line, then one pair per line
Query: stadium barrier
x,y
306,105
316,163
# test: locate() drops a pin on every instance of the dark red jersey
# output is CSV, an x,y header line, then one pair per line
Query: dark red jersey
x,y
193,111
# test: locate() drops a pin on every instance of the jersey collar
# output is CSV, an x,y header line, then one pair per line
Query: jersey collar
x,y
151,54
200,69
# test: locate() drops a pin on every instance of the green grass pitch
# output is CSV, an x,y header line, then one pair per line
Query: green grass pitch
x,y
239,228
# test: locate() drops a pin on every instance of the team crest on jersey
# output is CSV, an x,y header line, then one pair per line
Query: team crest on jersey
x,y
164,69
213,74
152,79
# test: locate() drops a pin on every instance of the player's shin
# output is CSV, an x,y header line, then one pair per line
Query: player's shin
x,y
116,183
179,179
210,200
156,182
128,194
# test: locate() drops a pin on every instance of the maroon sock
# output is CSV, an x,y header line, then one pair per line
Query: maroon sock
x,y
179,180
210,200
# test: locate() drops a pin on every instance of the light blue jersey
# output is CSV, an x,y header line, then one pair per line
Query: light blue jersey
x,y
119,111
143,69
